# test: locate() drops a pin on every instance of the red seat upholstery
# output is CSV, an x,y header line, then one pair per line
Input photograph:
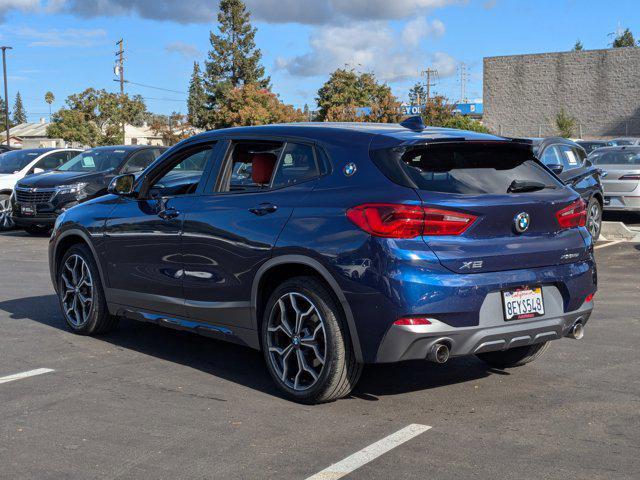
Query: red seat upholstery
x,y
262,167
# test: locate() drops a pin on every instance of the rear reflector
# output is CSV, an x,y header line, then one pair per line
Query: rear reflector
x,y
589,298
575,215
631,176
412,321
408,221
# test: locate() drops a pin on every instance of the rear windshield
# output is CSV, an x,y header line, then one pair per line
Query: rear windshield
x,y
616,158
465,168
99,160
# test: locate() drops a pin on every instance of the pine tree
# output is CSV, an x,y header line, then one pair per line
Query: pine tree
x,y
234,59
624,39
196,103
578,47
418,94
19,115
2,117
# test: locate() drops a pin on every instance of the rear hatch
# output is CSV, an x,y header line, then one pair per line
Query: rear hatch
x,y
622,167
507,198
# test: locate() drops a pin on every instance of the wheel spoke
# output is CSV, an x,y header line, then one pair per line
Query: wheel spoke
x,y
302,361
316,350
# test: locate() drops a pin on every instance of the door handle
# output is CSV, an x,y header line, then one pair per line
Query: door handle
x,y
263,209
168,213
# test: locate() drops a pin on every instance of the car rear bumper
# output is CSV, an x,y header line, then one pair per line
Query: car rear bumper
x,y
414,342
621,202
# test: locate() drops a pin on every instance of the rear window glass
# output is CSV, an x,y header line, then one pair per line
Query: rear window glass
x,y
615,158
463,168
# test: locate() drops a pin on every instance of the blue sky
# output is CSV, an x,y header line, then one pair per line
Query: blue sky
x,y
68,45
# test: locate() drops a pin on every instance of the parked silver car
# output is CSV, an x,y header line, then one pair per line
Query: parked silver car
x,y
622,182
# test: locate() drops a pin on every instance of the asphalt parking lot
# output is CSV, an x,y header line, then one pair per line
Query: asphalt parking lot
x,y
148,403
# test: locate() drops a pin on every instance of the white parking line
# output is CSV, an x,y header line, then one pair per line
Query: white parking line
x,y
367,454
608,244
30,373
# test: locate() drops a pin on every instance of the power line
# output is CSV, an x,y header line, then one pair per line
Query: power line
x,y
152,86
432,75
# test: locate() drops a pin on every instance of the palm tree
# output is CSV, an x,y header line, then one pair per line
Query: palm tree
x,y
49,97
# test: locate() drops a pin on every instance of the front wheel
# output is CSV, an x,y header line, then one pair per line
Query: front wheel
x,y
514,357
594,218
306,343
81,295
6,222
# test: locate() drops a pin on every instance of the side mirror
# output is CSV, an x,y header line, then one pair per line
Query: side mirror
x,y
556,168
603,173
38,170
122,184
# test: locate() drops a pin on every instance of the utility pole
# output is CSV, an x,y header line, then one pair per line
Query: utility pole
x,y
431,75
119,71
6,95
464,77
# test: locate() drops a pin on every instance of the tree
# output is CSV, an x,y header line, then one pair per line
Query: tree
x,y
578,47
49,97
2,117
234,60
19,115
196,103
437,111
464,122
251,105
624,39
346,91
172,128
105,111
418,94
565,124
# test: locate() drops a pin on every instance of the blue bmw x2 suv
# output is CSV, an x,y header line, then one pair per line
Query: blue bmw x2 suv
x,y
329,246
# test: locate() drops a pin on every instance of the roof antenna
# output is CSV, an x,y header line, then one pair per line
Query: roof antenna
x,y
414,123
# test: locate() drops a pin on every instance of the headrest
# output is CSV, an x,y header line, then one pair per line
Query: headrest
x,y
262,167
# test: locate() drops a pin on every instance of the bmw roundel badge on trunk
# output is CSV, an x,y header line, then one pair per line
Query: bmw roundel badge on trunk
x,y
521,222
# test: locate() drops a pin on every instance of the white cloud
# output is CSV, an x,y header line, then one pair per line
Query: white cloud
x,y
75,37
418,28
365,46
309,12
185,49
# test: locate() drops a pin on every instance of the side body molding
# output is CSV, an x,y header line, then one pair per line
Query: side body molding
x,y
322,271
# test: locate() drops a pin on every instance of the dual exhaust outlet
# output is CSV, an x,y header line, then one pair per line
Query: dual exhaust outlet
x,y
440,351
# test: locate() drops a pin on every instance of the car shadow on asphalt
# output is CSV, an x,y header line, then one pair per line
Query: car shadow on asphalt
x,y
243,365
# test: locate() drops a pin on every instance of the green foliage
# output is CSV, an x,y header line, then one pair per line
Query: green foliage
x,y
19,115
172,128
624,39
2,116
103,112
418,94
251,105
578,47
462,122
196,103
49,97
346,90
437,111
234,60
565,124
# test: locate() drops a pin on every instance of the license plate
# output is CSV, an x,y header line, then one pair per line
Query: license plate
x,y
523,303
28,210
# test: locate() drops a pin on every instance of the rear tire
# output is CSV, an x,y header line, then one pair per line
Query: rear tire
x,y
594,218
308,353
81,295
514,357
6,222
37,230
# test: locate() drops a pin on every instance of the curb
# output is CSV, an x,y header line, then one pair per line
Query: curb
x,y
617,231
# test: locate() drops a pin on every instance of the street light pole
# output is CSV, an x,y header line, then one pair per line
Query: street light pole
x,y
6,97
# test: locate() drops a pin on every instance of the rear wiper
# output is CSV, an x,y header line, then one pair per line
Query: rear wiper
x,y
526,186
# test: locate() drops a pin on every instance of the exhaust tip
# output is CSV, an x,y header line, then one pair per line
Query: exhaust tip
x,y
439,353
577,331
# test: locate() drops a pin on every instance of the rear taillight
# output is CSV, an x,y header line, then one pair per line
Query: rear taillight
x,y
412,321
408,221
575,215
631,176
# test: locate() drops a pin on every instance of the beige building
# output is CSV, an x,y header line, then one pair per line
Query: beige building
x,y
32,135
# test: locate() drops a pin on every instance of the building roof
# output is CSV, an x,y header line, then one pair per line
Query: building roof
x,y
26,130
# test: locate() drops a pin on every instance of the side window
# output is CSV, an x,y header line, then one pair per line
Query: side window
x,y
297,164
571,159
140,160
250,166
552,156
52,161
185,174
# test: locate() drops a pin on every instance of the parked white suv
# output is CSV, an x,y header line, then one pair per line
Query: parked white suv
x,y
17,164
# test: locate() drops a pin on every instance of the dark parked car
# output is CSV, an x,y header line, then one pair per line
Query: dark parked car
x,y
4,148
40,198
569,161
591,145
463,244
